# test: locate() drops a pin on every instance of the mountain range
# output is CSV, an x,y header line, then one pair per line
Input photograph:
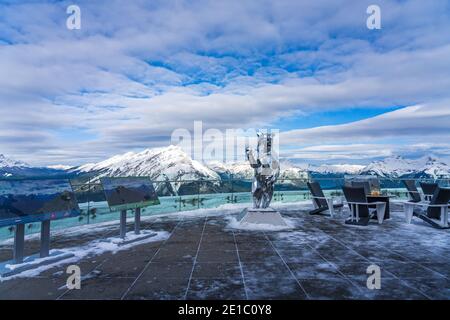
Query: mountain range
x,y
14,168
173,164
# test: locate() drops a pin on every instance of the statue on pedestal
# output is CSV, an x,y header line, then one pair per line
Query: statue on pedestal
x,y
267,170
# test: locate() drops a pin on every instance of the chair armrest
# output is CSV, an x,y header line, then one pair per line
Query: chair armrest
x,y
426,204
367,203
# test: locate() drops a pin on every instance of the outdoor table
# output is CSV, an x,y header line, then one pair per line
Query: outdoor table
x,y
382,198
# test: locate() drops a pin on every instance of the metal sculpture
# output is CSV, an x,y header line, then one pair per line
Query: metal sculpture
x,y
267,169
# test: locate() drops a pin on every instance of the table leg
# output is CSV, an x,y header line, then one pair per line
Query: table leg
x,y
381,210
409,210
444,216
330,207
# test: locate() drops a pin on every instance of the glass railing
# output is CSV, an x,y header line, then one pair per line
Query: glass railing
x,y
184,195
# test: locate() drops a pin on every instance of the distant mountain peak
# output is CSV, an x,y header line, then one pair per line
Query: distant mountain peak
x,y
6,162
337,168
159,163
397,166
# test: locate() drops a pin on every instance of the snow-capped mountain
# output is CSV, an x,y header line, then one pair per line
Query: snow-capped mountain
x,y
159,163
337,169
14,168
170,164
10,163
235,170
396,167
242,170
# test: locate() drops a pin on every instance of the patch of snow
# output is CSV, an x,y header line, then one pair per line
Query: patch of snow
x,y
10,163
233,223
242,170
59,167
397,166
160,164
93,248
338,168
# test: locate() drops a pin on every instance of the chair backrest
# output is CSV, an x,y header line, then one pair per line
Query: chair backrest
x,y
412,190
316,191
362,184
357,194
354,194
440,196
428,188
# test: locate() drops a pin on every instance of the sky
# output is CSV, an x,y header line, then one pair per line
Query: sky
x,y
337,91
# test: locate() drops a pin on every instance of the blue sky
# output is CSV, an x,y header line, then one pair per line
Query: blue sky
x,y
137,70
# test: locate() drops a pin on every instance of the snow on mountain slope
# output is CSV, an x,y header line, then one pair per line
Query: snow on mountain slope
x,y
14,168
391,167
290,171
10,163
242,170
235,170
397,166
60,167
434,168
337,169
169,163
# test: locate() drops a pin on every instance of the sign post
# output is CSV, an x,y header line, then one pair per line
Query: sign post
x,y
19,243
123,223
137,221
31,201
129,193
45,239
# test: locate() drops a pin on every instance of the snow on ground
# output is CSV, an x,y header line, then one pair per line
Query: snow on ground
x,y
221,210
93,248
233,223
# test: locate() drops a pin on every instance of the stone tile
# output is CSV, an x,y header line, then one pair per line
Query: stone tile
x,y
270,270
258,256
168,255
32,289
213,270
167,270
274,288
441,268
216,289
300,256
336,288
100,289
341,254
359,270
229,256
438,289
158,289
319,270
411,271
391,289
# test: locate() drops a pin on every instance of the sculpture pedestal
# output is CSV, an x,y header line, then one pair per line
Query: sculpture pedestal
x,y
267,216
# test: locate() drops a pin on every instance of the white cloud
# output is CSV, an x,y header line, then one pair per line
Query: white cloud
x,y
139,70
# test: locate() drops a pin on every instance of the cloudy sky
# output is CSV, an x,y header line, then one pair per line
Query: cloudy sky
x,y
137,70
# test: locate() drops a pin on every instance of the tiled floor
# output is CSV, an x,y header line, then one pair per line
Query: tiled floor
x,y
320,258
